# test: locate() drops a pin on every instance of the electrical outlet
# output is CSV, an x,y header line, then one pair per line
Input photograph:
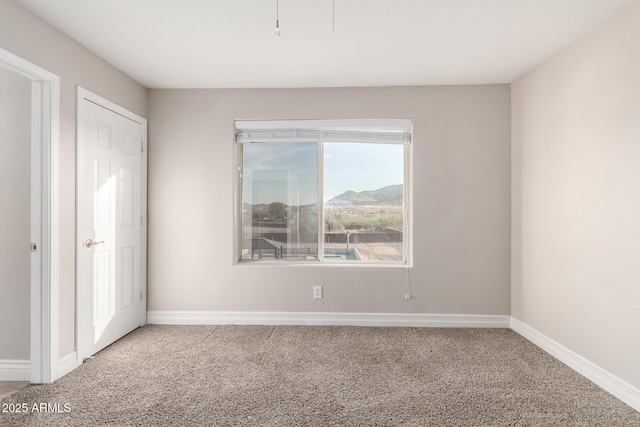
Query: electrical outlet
x,y
317,292
407,296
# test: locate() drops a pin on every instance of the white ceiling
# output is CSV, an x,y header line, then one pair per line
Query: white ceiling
x,y
231,43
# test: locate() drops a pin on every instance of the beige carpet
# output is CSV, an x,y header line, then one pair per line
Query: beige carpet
x,y
321,376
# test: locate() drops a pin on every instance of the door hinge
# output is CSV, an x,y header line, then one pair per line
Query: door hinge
x,y
140,294
141,147
34,247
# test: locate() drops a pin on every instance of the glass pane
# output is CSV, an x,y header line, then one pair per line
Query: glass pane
x,y
363,202
280,201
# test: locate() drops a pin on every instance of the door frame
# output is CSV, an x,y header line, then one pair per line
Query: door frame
x,y
45,116
84,94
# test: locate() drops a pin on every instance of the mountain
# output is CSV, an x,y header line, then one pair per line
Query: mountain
x,y
391,195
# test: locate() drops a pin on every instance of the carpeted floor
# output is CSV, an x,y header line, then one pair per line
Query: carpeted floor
x,y
320,376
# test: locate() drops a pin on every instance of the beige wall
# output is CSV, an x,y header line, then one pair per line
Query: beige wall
x,y
15,214
576,196
26,35
461,199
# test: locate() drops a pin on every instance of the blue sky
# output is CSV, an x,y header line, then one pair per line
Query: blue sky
x,y
361,167
288,172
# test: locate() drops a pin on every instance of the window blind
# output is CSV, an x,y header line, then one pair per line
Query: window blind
x,y
370,131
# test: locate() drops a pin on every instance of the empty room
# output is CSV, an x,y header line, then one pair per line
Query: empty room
x,y
320,212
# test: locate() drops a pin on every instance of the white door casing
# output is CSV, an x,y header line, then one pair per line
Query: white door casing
x,y
111,235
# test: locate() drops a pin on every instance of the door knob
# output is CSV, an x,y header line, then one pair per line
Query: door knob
x,y
89,243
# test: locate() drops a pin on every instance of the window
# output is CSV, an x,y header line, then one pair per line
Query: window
x,y
323,191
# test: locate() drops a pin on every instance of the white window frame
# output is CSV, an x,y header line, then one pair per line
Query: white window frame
x,y
388,131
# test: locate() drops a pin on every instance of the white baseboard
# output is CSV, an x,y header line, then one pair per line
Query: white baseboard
x,y
67,364
15,370
609,382
318,318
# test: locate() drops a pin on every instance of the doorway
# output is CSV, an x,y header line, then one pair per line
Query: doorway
x,y
40,242
15,260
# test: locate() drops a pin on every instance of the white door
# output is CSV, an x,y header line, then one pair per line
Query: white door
x,y
110,231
